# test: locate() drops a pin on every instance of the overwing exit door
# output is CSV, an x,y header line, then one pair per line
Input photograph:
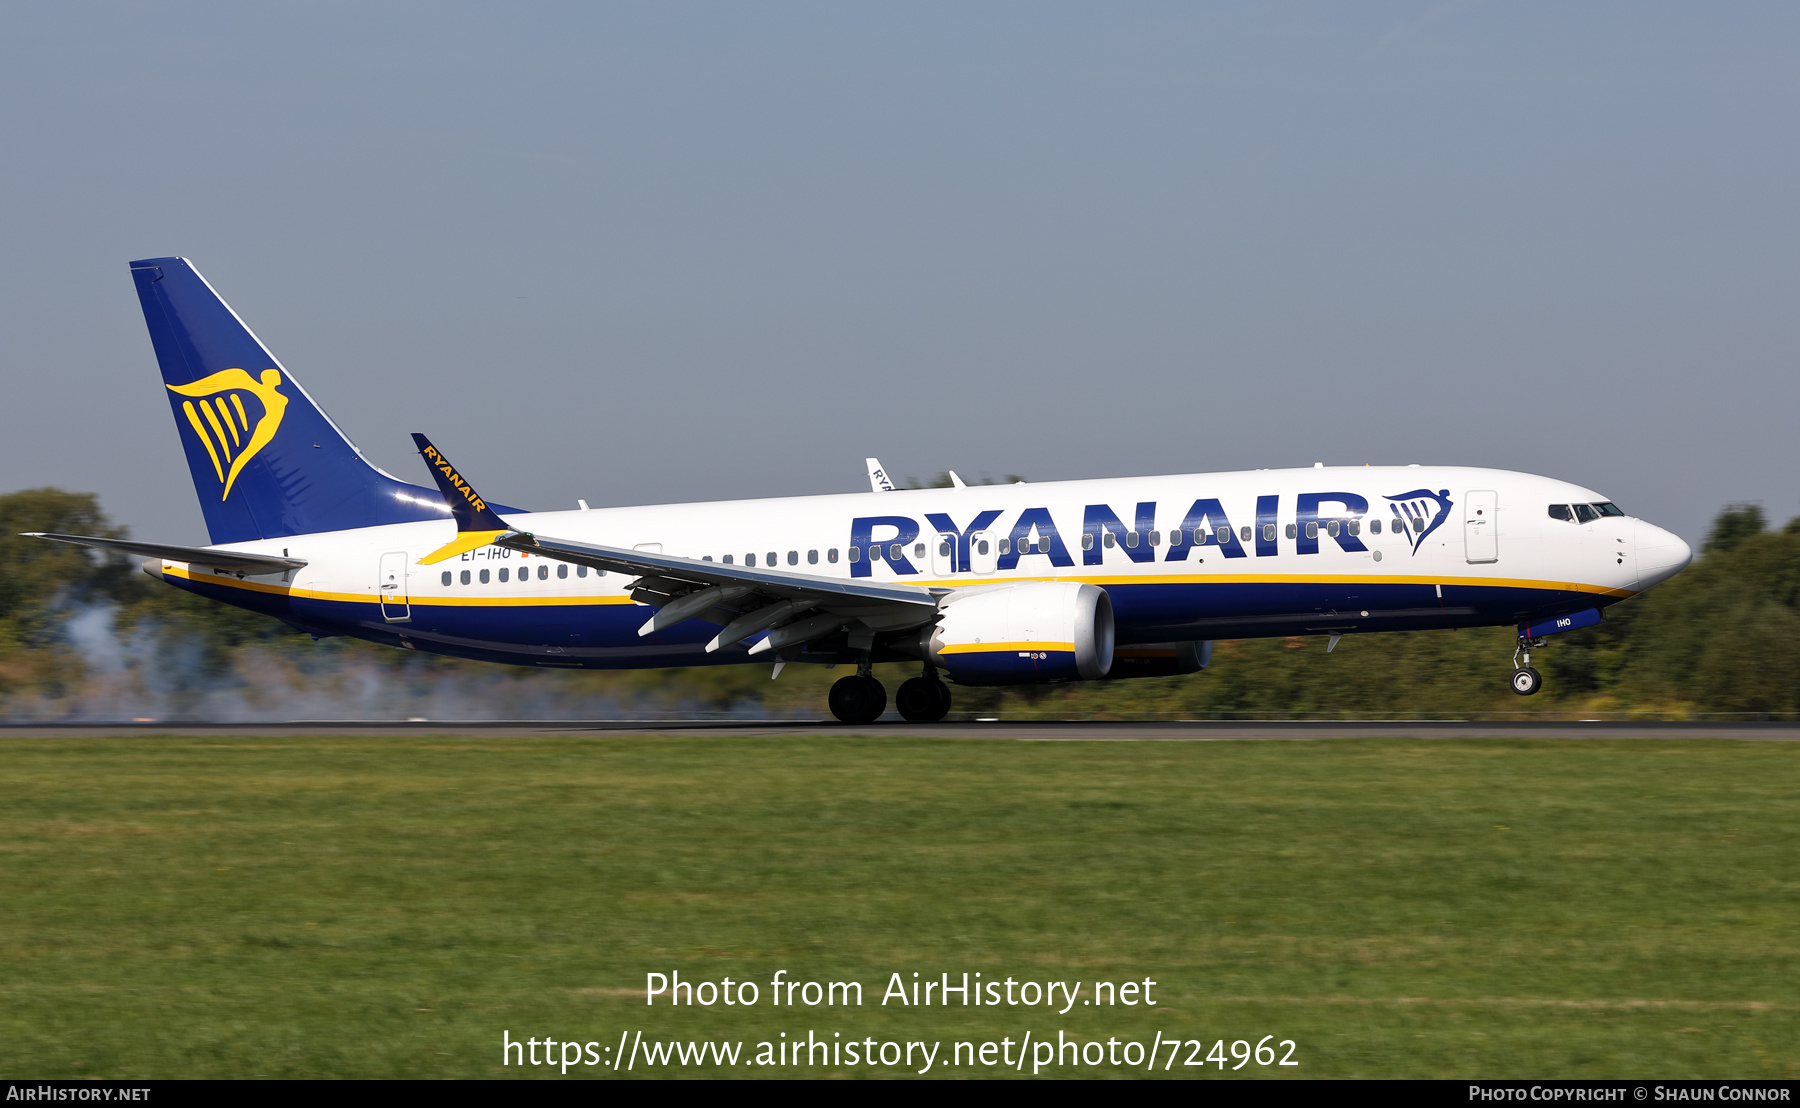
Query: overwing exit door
x,y
1480,540
943,555
391,587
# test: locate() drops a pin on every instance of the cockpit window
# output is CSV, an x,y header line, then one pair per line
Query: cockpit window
x,y
1608,508
1561,511
1586,513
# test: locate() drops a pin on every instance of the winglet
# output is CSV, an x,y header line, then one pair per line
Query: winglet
x,y
878,478
476,523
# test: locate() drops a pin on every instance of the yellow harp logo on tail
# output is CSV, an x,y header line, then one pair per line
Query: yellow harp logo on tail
x,y
218,408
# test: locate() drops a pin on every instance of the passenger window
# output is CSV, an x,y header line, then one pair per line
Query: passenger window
x,y
1245,534
1374,527
943,549
1223,534
793,557
1006,546
981,547
919,550
831,556
1355,526
1269,532
1608,508
726,559
812,557
446,577
773,560
1561,511
484,576
1131,539
1331,528
854,554
750,560
1290,531
465,576
544,572
1087,541
581,571
1108,540
895,554
503,572
562,572
1585,513
1156,538
1312,530
706,557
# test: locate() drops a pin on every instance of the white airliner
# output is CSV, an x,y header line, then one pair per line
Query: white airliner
x,y
982,585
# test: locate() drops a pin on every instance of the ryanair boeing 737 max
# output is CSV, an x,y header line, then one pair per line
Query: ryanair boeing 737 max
x,y
983,585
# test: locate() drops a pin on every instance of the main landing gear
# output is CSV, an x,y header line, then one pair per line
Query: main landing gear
x,y
923,699
857,699
862,699
1526,680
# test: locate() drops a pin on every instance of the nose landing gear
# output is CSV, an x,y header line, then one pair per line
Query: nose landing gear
x,y
1526,680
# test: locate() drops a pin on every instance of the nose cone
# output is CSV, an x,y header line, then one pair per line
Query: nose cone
x,y
1660,554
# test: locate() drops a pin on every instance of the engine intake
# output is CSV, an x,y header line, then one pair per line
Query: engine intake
x,y
1024,634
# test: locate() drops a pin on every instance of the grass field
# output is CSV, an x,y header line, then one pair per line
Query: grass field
x,y
381,906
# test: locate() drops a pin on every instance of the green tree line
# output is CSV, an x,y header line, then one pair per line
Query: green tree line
x,y
87,635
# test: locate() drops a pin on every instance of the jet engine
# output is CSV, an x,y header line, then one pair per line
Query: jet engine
x,y
1023,634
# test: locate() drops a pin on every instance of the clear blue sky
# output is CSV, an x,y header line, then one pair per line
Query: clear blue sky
x,y
690,251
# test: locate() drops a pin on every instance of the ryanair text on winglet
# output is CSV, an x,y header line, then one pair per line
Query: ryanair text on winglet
x,y
438,463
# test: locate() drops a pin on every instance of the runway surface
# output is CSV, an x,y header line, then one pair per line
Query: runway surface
x,y
1022,730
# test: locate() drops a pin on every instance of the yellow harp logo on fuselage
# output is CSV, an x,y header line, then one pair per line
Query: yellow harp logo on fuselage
x,y
218,407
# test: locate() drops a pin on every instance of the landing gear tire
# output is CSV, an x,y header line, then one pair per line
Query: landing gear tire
x,y
923,700
1526,681
858,699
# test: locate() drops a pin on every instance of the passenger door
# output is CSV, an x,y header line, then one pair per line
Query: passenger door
x,y
1480,541
390,586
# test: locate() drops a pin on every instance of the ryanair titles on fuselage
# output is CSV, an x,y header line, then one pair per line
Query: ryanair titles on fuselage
x,y
1334,516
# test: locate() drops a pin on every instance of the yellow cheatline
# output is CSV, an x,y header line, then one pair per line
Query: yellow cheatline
x,y
1281,578
993,647
464,542
187,406
526,600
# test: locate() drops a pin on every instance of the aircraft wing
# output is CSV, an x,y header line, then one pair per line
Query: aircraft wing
x,y
773,582
794,608
798,607
232,560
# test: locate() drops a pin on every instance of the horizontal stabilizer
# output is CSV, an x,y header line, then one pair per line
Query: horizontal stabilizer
x,y
233,560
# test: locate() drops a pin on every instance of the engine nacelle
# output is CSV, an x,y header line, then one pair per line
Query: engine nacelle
x,y
1024,634
1160,659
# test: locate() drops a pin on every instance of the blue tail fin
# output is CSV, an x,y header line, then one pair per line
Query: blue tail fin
x,y
266,461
